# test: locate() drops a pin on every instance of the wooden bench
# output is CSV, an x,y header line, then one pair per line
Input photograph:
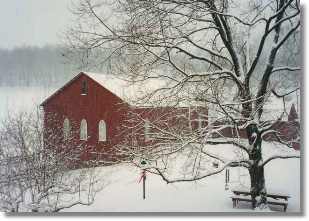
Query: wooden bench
x,y
237,199
245,196
280,203
271,195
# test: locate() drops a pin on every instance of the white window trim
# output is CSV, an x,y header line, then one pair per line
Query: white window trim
x,y
66,129
83,130
102,131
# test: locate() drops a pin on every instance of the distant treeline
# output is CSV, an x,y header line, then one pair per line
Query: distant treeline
x,y
34,66
50,65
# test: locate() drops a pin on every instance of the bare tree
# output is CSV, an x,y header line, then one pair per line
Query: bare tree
x,y
36,172
215,54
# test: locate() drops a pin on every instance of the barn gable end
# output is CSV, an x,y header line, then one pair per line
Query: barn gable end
x,y
83,99
96,78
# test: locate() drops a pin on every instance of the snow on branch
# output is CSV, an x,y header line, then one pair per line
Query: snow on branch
x,y
279,157
285,94
286,69
229,142
242,163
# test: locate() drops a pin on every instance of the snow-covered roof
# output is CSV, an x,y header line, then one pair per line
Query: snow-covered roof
x,y
118,85
124,88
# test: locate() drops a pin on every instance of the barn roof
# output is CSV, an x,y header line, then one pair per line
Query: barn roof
x,y
122,88
118,86
131,92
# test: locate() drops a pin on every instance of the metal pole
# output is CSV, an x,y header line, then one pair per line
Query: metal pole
x,y
228,175
144,184
227,178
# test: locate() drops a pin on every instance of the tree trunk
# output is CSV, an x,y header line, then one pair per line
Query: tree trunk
x,y
256,171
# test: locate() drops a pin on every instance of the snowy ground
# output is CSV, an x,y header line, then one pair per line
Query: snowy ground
x,y
15,99
124,193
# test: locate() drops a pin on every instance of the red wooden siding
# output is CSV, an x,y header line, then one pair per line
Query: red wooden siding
x,y
98,104
101,104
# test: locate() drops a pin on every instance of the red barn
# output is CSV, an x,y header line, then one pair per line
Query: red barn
x,y
91,114
92,109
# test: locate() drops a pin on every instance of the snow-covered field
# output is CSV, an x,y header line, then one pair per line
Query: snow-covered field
x,y
15,99
124,193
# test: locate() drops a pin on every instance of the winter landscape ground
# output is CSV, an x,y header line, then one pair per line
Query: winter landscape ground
x,y
123,192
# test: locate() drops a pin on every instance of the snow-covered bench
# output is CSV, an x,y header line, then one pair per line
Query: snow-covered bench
x,y
238,198
272,198
271,195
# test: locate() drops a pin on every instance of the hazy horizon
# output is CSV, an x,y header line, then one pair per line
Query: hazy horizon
x,y
33,23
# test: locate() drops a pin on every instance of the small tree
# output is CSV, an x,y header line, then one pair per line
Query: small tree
x,y
228,56
36,176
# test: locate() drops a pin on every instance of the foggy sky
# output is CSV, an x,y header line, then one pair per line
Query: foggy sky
x,y
33,22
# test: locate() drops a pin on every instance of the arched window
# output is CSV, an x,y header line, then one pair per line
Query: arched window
x,y
102,130
147,130
83,130
66,129
84,88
